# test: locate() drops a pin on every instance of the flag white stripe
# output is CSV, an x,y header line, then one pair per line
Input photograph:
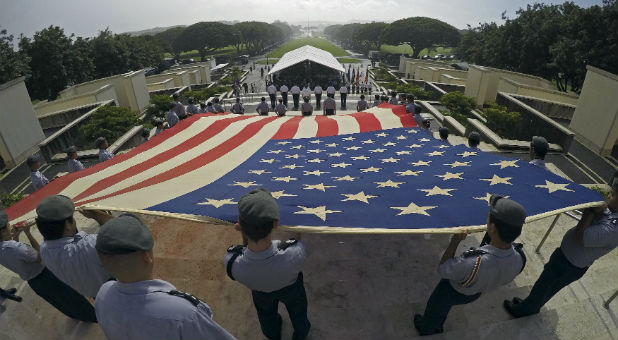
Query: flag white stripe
x,y
307,128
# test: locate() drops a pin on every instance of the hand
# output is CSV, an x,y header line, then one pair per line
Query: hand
x,y
598,210
456,238
91,213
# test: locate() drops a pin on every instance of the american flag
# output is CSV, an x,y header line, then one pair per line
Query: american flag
x,y
364,171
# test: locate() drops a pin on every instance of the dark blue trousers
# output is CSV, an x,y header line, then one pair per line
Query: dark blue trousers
x,y
440,302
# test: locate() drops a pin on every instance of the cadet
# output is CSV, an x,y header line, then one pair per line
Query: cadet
x,y
73,164
203,108
474,139
171,116
538,149
137,306
70,254
25,261
393,99
317,90
237,108
262,108
295,95
306,92
104,154
330,105
280,109
217,107
417,116
476,271
284,94
272,93
410,104
271,269
403,99
191,108
306,108
180,109
159,124
330,90
343,92
377,100
145,134
210,108
595,235
36,177
362,105
444,132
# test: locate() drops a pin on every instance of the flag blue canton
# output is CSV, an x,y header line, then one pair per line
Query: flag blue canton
x,y
396,179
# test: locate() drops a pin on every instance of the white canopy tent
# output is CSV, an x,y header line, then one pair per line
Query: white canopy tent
x,y
305,53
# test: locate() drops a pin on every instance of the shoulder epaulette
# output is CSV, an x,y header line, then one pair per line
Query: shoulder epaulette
x,y
473,252
237,249
287,243
191,298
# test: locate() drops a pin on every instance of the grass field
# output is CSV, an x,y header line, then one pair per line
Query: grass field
x,y
271,61
348,60
315,42
405,48
195,54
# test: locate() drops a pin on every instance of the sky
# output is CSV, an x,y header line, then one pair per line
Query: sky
x,y
87,17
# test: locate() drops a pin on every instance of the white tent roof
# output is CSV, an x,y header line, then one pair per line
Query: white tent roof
x,y
310,53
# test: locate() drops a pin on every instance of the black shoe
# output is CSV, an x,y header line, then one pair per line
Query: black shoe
x,y
418,319
511,306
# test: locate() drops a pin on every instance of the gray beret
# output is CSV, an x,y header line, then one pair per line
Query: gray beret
x,y
32,159
100,141
124,234
4,219
72,149
539,143
55,208
258,207
507,211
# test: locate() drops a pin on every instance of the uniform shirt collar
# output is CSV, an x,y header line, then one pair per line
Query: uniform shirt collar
x,y
65,240
261,255
144,287
497,251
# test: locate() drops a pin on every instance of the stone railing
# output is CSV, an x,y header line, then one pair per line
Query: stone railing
x,y
550,108
105,92
59,119
511,86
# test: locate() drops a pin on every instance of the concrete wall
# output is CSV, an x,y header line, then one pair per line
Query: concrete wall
x,y
19,128
162,85
596,117
59,119
510,86
130,90
203,68
447,79
105,93
181,78
412,64
550,108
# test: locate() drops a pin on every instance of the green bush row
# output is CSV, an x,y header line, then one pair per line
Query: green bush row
x,y
108,121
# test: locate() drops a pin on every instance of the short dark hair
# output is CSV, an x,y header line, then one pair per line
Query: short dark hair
x,y
507,232
541,152
175,96
443,132
256,232
52,230
280,100
216,100
362,96
263,99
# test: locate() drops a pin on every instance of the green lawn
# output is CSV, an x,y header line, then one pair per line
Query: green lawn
x,y
348,60
405,48
271,61
196,54
316,42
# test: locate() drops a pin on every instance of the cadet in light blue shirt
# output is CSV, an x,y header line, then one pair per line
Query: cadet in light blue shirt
x,y
180,108
466,277
362,105
191,108
171,116
217,107
38,179
137,306
595,235
158,123
73,164
104,154
25,261
538,149
271,269
70,254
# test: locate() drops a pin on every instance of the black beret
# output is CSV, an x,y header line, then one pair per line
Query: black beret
x,y
124,234
507,211
55,208
258,207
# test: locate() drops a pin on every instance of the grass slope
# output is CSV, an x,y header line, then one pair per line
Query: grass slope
x,y
315,42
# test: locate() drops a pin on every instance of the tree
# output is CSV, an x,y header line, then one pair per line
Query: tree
x,y
167,38
369,36
49,52
204,37
421,33
80,64
13,64
110,54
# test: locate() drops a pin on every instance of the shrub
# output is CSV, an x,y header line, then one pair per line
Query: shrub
x,y
419,93
108,121
7,200
505,124
458,105
160,105
207,92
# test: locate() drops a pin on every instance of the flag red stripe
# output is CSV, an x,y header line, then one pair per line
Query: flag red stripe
x,y
288,129
407,119
190,143
367,121
199,161
326,126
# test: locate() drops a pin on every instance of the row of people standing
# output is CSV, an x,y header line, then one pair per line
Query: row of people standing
x,y
306,92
